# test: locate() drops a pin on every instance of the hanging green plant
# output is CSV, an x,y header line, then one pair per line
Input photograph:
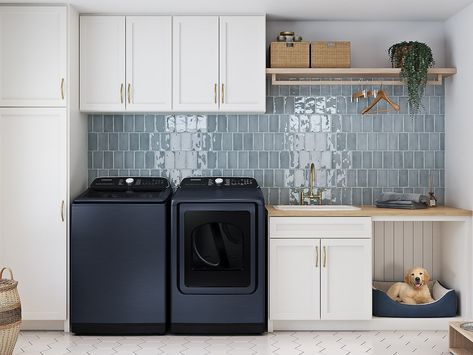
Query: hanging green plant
x,y
414,59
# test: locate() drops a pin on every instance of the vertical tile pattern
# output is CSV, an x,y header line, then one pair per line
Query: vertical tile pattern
x,y
356,156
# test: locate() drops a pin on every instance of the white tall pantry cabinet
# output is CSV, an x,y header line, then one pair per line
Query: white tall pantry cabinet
x,y
43,160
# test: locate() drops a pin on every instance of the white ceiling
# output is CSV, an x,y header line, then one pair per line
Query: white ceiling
x,y
281,9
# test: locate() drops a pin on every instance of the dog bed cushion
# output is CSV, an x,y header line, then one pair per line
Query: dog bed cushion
x,y
444,304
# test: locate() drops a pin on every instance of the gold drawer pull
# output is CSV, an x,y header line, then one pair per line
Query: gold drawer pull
x,y
223,93
325,256
215,93
316,256
62,88
121,93
62,210
129,93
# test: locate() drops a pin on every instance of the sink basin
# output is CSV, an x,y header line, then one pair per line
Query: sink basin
x,y
316,207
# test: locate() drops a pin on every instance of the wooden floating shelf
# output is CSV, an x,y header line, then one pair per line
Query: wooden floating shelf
x,y
280,76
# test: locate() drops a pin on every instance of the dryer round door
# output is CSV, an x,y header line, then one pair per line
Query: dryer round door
x,y
217,248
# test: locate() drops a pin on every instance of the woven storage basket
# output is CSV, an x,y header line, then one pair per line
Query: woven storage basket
x,y
10,313
330,54
290,55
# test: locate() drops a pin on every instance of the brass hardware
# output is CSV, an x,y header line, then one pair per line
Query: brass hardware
x,y
316,256
121,93
325,256
312,195
129,93
62,210
215,93
62,88
223,93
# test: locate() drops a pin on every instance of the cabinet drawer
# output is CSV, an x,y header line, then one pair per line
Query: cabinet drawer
x,y
320,227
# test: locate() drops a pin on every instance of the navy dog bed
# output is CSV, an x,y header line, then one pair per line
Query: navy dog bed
x,y
444,305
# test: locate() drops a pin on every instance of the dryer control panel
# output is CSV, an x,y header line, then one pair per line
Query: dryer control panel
x,y
219,182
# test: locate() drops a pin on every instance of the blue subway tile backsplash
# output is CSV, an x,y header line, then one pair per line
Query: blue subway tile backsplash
x,y
356,156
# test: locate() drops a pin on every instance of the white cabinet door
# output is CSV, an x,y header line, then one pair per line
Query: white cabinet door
x,y
346,279
148,63
33,56
32,196
195,63
102,63
294,279
243,63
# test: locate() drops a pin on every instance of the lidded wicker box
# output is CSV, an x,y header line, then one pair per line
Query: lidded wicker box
x,y
290,54
330,54
10,313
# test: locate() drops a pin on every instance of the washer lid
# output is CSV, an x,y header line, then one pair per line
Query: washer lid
x,y
127,190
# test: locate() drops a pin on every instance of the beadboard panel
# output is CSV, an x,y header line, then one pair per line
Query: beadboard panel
x,y
398,246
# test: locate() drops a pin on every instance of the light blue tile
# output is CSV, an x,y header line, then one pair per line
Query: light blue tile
x,y
144,141
248,141
253,160
108,123
221,123
243,160
263,123
232,123
388,160
263,160
92,141
237,141
108,160
243,123
113,141
139,123
227,141
377,160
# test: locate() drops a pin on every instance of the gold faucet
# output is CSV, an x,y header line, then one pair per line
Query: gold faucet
x,y
312,195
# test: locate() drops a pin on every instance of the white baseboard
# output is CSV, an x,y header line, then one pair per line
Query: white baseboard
x,y
42,325
373,324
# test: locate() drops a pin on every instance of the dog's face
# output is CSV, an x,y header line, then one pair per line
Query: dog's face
x,y
417,277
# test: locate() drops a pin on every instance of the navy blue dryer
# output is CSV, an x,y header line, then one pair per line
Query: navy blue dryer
x,y
218,257
119,246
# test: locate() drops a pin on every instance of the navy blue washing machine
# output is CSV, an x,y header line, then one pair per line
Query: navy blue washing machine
x,y
218,257
118,256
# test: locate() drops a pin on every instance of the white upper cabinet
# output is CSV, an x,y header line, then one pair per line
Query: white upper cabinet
x,y
32,223
148,63
33,56
102,63
346,279
195,63
242,63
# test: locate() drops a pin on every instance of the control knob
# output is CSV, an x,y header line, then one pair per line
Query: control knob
x,y
218,181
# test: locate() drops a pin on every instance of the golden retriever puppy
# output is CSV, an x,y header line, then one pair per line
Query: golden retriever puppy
x,y
414,290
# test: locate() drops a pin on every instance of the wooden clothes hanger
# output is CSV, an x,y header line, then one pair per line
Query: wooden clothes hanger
x,y
380,95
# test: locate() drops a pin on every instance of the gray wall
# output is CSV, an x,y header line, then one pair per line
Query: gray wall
x,y
356,156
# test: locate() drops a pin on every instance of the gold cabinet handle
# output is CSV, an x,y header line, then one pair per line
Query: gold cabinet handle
x,y
223,93
62,210
215,93
325,256
62,88
121,93
129,93
316,256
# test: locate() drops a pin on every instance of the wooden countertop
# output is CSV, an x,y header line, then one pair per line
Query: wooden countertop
x,y
373,211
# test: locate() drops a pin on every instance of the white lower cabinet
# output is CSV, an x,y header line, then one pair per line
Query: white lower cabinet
x,y
295,279
320,278
346,279
33,203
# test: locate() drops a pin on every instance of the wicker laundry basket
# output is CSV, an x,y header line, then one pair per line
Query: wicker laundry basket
x,y
290,55
330,54
10,313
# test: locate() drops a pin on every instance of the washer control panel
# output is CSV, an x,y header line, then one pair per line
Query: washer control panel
x,y
219,182
129,183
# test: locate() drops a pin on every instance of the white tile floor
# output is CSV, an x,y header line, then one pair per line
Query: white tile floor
x,y
281,343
